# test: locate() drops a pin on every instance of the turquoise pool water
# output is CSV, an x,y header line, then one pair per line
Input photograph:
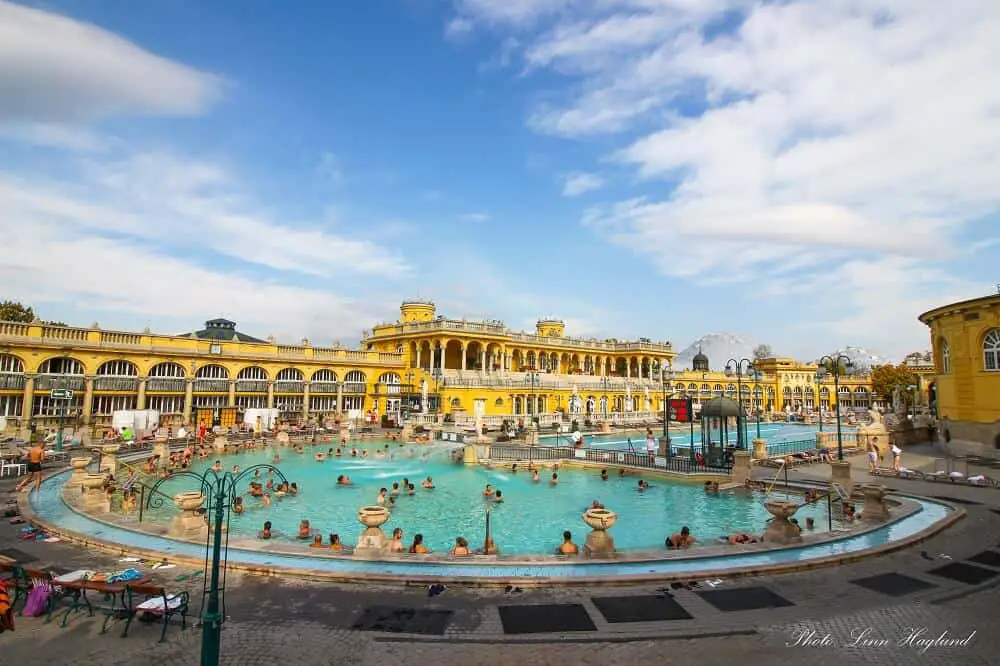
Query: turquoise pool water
x,y
530,520
49,506
773,433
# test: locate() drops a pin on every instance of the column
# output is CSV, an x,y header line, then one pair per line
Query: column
x,y
628,367
88,399
188,399
464,365
232,393
140,401
27,405
482,358
441,360
416,360
305,401
340,396
270,394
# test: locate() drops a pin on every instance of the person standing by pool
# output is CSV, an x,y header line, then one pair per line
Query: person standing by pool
x,y
896,455
650,443
36,455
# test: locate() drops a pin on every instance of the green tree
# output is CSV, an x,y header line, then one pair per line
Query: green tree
x,y
887,378
15,311
760,352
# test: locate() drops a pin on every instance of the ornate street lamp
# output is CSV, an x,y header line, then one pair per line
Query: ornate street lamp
x,y
220,491
839,363
739,368
755,375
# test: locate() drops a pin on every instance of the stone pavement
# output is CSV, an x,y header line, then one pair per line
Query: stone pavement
x,y
301,622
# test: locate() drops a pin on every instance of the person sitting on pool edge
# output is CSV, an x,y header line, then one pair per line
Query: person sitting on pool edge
x,y
418,547
567,547
682,539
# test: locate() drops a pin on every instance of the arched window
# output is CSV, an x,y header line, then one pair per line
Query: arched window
x,y
166,370
355,376
945,356
61,365
116,375
324,376
991,351
254,372
212,372
10,364
290,375
391,382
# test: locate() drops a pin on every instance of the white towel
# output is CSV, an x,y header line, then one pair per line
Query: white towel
x,y
956,475
977,478
155,605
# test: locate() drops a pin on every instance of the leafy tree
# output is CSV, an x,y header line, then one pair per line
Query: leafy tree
x,y
887,378
15,311
760,352
55,323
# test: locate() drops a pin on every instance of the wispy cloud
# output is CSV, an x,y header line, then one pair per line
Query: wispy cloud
x,y
476,218
784,134
54,70
575,184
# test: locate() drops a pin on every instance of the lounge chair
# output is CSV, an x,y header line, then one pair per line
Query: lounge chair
x,y
983,481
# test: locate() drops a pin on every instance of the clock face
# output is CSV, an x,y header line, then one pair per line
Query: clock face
x,y
215,349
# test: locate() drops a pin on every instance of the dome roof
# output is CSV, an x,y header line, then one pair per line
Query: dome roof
x,y
700,357
720,408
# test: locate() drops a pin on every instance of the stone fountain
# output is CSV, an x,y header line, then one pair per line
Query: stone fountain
x,y
189,524
780,529
874,507
92,495
373,542
599,543
79,465
109,458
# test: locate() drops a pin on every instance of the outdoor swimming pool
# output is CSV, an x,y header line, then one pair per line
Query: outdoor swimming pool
x,y
49,506
530,520
772,433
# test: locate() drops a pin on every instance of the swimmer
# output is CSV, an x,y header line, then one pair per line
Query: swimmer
x,y
343,480
488,491
534,476
427,484
238,505
395,488
643,485
266,532
396,544
267,499
411,490
513,468
380,500
682,539
567,547
604,475
317,541
554,480
335,543
294,489
217,467
236,469
498,498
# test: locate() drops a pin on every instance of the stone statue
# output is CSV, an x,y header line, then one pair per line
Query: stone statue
x,y
876,416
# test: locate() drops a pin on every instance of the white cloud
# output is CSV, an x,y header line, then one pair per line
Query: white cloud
x,y
459,28
55,70
575,184
163,200
475,218
808,135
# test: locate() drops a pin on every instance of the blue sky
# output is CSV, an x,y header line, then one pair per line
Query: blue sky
x,y
655,168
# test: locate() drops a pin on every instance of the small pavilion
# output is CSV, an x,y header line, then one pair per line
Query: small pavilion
x,y
716,417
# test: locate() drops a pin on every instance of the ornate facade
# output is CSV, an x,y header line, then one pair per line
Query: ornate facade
x,y
422,364
965,337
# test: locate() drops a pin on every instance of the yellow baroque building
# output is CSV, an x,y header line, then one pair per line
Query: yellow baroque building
x,y
965,337
419,367
482,367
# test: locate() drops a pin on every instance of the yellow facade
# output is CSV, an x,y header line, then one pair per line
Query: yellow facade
x,y
423,364
966,346
110,371
483,367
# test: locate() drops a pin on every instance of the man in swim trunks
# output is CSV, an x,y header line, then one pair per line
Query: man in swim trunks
x,y
35,457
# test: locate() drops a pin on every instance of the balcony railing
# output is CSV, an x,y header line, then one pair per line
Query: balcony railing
x,y
251,386
500,329
49,382
12,382
116,383
323,387
165,385
289,387
355,387
211,386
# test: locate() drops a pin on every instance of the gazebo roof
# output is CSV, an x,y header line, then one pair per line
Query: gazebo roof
x,y
720,408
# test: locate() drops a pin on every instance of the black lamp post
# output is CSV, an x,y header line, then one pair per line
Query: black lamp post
x,y
533,377
839,361
739,368
819,397
220,491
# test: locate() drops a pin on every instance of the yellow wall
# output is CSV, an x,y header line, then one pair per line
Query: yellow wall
x,y
968,394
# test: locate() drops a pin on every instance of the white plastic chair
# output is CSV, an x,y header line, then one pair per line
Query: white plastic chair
x,y
16,468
